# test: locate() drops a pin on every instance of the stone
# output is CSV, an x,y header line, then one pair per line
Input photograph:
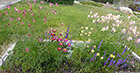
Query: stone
x,y
126,10
76,2
107,3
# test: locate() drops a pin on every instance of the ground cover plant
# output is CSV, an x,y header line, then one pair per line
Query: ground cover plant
x,y
45,33
91,3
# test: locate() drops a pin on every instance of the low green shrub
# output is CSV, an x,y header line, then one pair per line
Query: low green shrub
x,y
91,3
104,1
67,2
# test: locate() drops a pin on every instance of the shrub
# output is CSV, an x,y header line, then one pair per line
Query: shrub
x,y
67,2
104,1
91,3
135,7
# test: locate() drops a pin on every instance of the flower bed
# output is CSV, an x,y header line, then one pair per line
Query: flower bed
x,y
54,50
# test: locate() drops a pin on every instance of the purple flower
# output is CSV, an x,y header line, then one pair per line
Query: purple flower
x,y
105,63
138,8
125,65
46,33
67,31
114,53
111,63
92,58
100,44
124,51
119,61
104,52
118,55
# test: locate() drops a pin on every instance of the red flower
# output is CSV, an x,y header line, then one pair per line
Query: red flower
x,y
60,34
56,5
45,17
53,38
8,24
5,26
39,39
66,40
52,34
29,35
64,50
69,44
29,25
54,31
59,48
26,50
60,44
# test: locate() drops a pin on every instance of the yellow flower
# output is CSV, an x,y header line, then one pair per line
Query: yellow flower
x,y
89,40
82,31
86,28
94,46
91,28
92,50
103,20
88,35
102,58
81,34
82,27
89,32
85,33
111,55
118,25
98,54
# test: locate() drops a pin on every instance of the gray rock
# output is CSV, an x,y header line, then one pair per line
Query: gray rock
x,y
126,10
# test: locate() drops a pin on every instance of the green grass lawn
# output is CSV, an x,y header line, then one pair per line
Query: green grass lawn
x,y
75,15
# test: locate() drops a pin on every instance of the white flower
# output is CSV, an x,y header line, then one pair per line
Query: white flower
x,y
130,28
132,23
129,38
113,24
85,33
135,27
138,32
44,40
81,34
107,28
82,31
129,32
97,17
88,16
123,30
118,16
86,28
138,41
118,25
103,29
91,12
91,28
113,29
103,20
102,17
98,20
93,21
92,16
89,32
108,22
129,17
134,31
82,27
